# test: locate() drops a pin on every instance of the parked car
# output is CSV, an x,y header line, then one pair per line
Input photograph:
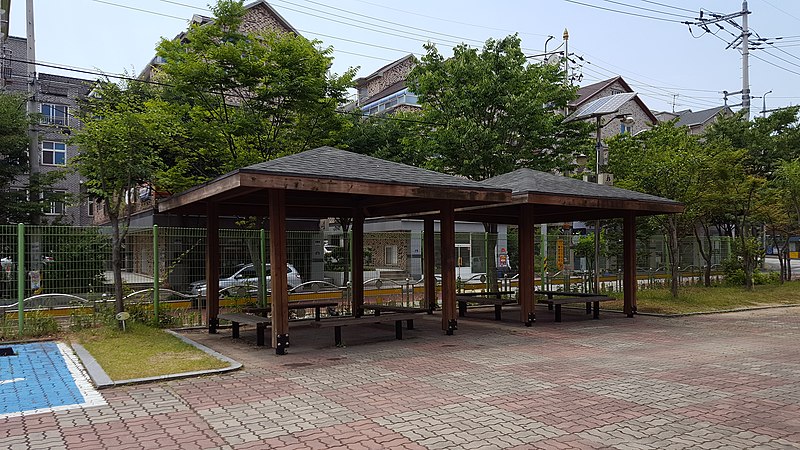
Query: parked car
x,y
246,275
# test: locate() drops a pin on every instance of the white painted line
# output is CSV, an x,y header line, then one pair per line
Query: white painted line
x,y
13,380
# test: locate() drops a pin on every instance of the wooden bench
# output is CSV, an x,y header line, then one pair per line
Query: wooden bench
x,y
592,303
396,309
248,319
299,304
340,322
498,303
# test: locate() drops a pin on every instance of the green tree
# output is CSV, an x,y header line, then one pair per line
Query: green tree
x,y
27,201
663,161
490,112
388,137
119,145
242,97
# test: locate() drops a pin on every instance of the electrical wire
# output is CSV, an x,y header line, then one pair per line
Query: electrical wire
x,y
682,16
668,6
447,20
622,12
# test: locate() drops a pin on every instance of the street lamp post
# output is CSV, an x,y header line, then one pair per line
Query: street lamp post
x,y
764,103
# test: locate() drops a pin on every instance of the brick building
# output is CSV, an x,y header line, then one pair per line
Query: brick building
x,y
56,98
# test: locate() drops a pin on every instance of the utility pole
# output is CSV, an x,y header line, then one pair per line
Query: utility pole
x,y
5,17
703,22
745,62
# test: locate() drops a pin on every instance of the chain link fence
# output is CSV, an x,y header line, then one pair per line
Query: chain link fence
x,y
61,276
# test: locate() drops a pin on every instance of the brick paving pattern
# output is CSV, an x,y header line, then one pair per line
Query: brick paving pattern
x,y
727,381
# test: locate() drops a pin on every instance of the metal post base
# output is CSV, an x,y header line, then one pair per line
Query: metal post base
x,y
282,345
213,324
531,319
452,325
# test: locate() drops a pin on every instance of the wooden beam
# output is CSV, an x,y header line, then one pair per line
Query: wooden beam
x,y
447,228
212,266
629,284
599,202
277,260
358,262
200,193
429,264
526,265
353,187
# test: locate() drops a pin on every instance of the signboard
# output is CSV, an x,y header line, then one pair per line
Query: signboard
x,y
36,280
503,262
560,254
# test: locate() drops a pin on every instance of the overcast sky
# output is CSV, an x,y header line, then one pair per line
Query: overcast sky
x,y
665,63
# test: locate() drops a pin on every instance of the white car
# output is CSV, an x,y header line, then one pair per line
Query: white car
x,y
246,275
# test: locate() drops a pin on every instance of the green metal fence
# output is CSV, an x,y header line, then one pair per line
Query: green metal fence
x,y
63,273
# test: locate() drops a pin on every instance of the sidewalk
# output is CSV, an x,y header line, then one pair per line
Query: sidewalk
x,y
716,381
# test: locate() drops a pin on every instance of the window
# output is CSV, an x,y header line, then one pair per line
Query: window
x,y
90,206
624,128
55,114
390,255
54,153
615,91
56,202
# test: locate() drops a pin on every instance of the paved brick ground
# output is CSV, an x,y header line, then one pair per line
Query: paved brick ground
x,y
718,381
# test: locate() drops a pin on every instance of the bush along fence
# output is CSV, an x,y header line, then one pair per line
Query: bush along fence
x,y
55,275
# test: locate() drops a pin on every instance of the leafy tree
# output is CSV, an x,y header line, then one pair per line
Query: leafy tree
x,y
242,97
25,204
762,146
663,161
783,208
386,137
490,112
119,145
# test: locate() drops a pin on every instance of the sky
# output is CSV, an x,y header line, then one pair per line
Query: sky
x,y
669,66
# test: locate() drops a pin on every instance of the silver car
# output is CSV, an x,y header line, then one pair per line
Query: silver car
x,y
246,275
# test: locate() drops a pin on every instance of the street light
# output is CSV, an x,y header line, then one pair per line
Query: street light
x,y
764,103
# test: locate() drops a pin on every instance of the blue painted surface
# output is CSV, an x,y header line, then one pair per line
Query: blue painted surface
x,y
36,378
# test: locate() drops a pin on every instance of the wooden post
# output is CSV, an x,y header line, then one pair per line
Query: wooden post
x,y
429,265
358,263
526,263
629,264
447,228
212,266
277,260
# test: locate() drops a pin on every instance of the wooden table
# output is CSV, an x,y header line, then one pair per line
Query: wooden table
x,y
396,309
339,322
299,304
483,298
592,301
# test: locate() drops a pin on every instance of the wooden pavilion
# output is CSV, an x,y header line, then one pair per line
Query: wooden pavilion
x,y
328,182
539,197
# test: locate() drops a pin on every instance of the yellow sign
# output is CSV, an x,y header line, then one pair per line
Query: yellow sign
x,y
560,254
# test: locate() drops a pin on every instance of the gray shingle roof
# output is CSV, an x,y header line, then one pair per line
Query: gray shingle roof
x,y
689,118
330,162
528,181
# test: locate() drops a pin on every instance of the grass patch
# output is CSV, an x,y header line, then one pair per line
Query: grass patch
x,y
142,351
702,299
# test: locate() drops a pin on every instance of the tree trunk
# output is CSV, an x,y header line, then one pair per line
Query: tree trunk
x,y
706,255
674,256
116,264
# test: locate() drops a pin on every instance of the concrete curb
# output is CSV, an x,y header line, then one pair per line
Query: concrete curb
x,y
101,380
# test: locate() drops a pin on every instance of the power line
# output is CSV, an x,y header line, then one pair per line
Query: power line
x,y
140,10
641,8
622,12
446,20
668,6
787,13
